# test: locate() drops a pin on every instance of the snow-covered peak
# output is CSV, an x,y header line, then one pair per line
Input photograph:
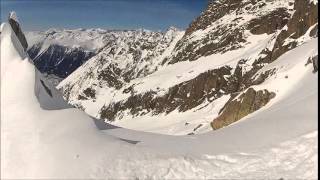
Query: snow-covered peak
x,y
13,15
51,31
171,31
91,39
172,28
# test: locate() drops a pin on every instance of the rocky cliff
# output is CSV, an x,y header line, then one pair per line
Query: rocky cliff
x,y
57,59
13,21
225,24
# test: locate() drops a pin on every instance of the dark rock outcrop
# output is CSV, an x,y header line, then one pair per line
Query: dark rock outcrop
x,y
184,96
235,109
90,93
111,75
17,30
269,23
304,17
46,88
58,60
314,61
214,11
227,35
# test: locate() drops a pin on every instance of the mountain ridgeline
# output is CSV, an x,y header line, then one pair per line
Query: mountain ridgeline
x,y
214,66
60,52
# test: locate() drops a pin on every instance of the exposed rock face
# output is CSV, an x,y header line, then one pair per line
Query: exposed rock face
x,y
58,60
314,31
303,23
270,22
223,27
245,104
314,61
219,8
111,75
17,30
207,86
305,17
46,88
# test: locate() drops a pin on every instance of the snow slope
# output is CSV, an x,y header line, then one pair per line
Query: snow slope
x,y
285,117
159,81
35,143
29,133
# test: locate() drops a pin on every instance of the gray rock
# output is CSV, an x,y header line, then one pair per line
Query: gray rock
x,y
17,30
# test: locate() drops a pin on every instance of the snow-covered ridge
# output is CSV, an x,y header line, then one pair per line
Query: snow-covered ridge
x,y
74,47
89,39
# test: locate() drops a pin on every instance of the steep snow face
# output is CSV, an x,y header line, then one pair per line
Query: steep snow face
x,y
277,142
33,138
183,89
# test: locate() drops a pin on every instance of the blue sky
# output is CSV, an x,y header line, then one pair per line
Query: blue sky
x,y
108,14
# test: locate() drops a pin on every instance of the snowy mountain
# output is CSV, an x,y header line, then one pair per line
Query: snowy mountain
x,y
41,141
206,78
60,52
58,60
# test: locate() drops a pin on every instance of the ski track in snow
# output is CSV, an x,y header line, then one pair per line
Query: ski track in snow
x,y
274,163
